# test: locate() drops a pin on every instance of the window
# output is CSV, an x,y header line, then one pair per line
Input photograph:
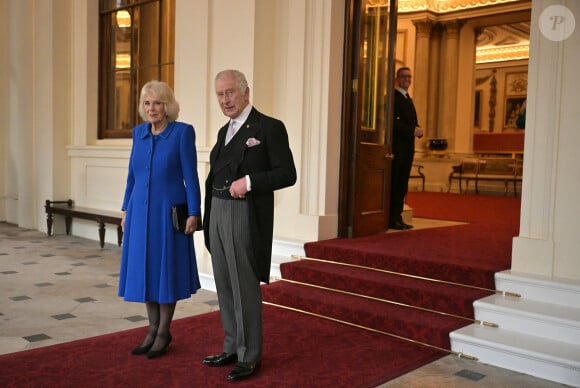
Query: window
x,y
136,45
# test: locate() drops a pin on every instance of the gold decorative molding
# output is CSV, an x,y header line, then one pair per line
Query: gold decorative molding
x,y
377,3
423,27
503,53
441,6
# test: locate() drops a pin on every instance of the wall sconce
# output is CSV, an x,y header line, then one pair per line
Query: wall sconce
x,y
123,19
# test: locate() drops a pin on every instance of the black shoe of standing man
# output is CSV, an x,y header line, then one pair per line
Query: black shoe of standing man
x,y
220,359
399,225
243,370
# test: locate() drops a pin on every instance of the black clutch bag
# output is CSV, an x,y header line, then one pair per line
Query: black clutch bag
x,y
179,215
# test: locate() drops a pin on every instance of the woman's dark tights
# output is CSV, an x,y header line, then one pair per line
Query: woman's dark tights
x,y
160,316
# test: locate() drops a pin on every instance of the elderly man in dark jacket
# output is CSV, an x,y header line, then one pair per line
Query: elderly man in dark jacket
x,y
250,160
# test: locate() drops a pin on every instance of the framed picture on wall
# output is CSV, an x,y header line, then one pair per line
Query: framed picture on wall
x,y
512,108
516,90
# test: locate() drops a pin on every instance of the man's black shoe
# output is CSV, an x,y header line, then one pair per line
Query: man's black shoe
x,y
407,226
220,359
243,370
397,226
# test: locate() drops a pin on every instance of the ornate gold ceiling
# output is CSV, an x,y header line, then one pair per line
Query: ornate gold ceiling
x,y
506,42
443,6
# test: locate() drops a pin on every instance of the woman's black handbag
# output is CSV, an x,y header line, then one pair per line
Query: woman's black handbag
x,y
179,215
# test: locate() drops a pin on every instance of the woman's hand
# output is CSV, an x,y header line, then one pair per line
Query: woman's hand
x,y
123,221
190,224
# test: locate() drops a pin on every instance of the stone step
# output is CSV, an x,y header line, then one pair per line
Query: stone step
x,y
547,320
538,333
545,358
407,214
540,288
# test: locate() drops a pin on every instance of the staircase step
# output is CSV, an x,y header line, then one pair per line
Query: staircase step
x,y
410,323
545,358
407,214
547,320
540,288
451,299
396,252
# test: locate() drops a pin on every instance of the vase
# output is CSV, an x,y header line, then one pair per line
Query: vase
x,y
437,144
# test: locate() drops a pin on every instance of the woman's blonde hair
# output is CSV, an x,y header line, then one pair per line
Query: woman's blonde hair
x,y
162,93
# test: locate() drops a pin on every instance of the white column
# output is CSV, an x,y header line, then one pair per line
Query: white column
x,y
434,82
449,82
548,242
84,71
4,102
21,173
421,72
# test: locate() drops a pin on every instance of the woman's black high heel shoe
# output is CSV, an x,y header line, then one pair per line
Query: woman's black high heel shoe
x,y
142,349
162,351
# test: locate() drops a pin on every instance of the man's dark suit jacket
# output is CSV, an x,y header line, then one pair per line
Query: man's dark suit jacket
x,y
270,166
404,123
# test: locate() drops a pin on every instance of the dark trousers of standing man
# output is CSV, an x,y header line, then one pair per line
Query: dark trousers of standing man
x,y
238,289
400,171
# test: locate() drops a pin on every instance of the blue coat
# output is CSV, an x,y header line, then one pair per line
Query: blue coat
x,y
158,263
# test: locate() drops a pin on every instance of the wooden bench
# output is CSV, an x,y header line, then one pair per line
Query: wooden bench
x,y
70,211
497,169
463,172
417,173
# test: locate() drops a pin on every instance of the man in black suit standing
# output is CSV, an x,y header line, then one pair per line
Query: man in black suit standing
x,y
250,160
405,129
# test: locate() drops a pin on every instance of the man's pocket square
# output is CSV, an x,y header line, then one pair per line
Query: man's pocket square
x,y
251,142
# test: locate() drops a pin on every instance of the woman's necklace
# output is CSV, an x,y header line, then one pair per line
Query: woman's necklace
x,y
156,131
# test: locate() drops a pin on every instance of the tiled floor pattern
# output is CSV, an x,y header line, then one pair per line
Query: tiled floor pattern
x,y
64,288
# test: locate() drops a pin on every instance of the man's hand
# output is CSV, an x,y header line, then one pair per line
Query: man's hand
x,y
238,188
419,132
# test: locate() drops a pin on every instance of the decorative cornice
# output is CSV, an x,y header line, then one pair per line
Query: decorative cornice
x,y
452,26
486,54
503,53
440,6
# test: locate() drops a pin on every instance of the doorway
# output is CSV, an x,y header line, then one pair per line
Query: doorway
x,y
367,137
369,64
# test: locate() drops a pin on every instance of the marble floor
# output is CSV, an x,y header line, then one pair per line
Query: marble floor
x,y
64,288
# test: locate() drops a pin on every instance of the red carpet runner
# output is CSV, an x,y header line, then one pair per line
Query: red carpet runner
x,y
468,254
299,351
306,351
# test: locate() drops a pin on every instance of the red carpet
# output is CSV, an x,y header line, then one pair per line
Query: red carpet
x,y
465,253
305,351
299,351
468,254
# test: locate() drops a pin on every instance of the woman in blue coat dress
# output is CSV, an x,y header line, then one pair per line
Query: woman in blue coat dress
x,y
158,265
